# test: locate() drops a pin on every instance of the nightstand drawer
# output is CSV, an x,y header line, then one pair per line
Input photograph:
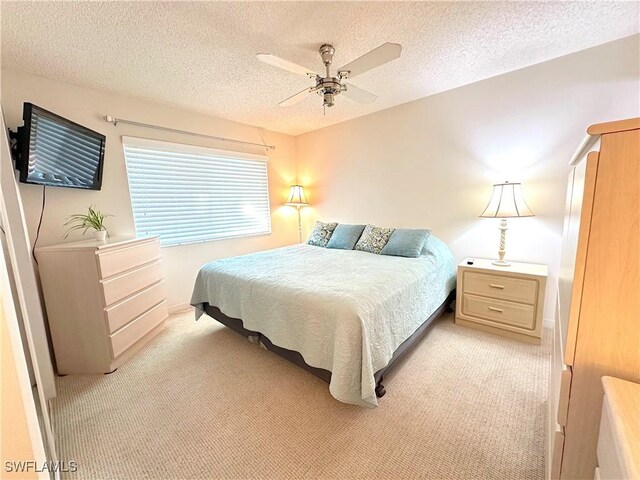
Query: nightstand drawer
x,y
497,286
499,311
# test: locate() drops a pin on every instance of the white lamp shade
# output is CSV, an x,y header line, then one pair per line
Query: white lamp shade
x,y
507,201
296,196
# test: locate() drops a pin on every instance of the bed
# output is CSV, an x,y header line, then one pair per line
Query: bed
x,y
344,315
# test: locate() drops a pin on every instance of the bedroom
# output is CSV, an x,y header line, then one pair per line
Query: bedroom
x,y
198,167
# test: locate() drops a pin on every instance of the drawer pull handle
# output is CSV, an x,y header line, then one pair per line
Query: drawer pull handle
x,y
494,309
493,285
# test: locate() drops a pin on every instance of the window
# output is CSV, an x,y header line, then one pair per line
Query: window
x,y
188,194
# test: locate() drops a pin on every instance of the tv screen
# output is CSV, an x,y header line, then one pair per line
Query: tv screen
x,y
57,152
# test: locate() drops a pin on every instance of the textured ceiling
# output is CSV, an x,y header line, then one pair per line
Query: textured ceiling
x,y
201,55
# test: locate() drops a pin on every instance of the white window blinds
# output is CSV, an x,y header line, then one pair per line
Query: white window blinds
x,y
188,194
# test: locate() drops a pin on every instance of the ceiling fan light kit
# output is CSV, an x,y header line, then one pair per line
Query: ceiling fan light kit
x,y
329,86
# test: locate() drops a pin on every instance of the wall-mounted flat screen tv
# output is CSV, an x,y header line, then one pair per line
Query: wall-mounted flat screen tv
x,y
54,151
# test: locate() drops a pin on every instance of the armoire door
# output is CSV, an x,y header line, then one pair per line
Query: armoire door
x,y
606,332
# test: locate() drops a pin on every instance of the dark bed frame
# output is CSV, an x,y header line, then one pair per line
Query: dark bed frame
x,y
236,325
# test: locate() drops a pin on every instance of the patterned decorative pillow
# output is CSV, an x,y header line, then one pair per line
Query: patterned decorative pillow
x,y
373,239
321,234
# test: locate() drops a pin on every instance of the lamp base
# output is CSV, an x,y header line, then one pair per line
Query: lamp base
x,y
503,237
501,263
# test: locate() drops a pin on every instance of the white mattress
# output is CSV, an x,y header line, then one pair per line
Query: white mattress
x,y
345,311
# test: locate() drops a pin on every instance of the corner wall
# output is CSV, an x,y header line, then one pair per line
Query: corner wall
x,y
431,163
428,163
87,107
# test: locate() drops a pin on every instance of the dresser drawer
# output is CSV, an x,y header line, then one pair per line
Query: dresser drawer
x,y
134,331
122,259
123,312
499,311
498,286
117,288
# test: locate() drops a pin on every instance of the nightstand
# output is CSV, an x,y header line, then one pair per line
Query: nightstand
x,y
507,301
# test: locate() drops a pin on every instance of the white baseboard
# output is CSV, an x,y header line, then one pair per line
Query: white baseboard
x,y
548,323
179,308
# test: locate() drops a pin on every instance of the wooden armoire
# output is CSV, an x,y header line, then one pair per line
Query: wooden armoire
x,y
597,328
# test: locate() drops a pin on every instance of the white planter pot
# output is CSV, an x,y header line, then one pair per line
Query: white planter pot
x,y
101,235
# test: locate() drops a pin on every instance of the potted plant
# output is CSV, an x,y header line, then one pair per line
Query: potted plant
x,y
93,219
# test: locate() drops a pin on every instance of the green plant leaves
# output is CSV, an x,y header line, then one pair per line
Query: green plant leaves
x,y
93,219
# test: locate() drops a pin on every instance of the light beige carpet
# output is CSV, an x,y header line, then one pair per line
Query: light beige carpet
x,y
202,402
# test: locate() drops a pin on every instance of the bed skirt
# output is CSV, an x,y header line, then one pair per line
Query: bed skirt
x,y
296,358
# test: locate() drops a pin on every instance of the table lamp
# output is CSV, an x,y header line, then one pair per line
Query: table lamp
x,y
506,201
297,199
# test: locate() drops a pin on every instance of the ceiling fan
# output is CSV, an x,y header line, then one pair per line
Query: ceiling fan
x,y
329,86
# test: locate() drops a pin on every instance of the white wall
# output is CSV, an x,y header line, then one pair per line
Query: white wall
x,y
428,163
87,107
431,163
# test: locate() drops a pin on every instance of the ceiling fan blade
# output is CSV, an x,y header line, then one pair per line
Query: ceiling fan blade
x,y
298,97
285,65
376,57
358,94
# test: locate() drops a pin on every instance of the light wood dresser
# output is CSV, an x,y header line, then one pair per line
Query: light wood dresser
x,y
508,301
597,324
103,301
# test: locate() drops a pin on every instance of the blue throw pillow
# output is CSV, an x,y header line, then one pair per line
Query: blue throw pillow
x,y
345,236
406,242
